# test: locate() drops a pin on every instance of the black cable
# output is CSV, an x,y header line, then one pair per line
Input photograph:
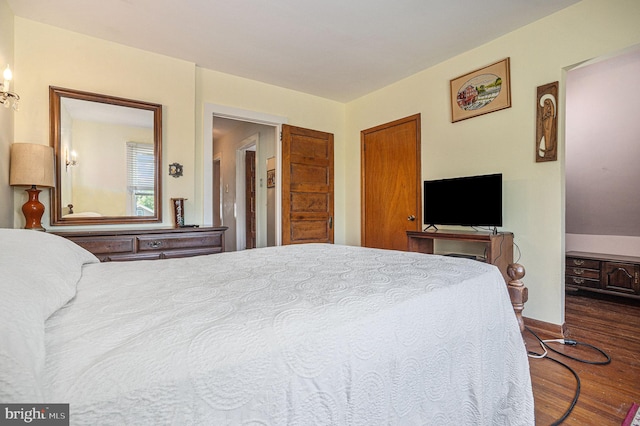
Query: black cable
x,y
575,396
576,343
575,374
519,252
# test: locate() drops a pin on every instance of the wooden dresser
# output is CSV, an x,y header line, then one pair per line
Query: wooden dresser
x,y
603,273
163,243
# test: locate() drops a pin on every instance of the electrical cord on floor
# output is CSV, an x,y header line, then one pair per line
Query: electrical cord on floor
x,y
570,342
545,345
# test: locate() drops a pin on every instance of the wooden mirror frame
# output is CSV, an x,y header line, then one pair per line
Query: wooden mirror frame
x,y
55,96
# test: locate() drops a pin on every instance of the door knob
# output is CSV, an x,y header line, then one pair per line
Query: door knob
x,y
411,218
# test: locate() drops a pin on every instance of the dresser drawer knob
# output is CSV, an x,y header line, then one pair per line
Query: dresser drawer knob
x,y
155,244
578,271
578,280
578,262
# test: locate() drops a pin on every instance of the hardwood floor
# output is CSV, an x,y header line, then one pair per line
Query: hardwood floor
x,y
607,391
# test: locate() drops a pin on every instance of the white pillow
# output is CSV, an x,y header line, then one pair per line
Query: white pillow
x,y
38,275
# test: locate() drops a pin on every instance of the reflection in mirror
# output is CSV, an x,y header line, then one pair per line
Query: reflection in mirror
x,y
108,159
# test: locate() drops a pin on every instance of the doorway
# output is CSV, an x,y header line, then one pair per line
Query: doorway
x,y
246,215
601,151
273,125
233,141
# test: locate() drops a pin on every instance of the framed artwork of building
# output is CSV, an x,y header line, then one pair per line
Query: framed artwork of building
x,y
482,91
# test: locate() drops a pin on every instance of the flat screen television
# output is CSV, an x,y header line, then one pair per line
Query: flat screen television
x,y
465,201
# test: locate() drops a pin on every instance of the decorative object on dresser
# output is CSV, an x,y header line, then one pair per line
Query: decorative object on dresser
x,y
603,273
178,211
117,245
31,165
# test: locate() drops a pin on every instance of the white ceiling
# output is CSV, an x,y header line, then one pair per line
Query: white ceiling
x,y
336,49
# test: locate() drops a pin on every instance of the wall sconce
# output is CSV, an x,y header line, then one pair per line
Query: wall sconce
x,y
8,98
71,162
31,165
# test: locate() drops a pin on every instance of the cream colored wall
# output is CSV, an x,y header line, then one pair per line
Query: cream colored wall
x,y
503,141
47,55
6,117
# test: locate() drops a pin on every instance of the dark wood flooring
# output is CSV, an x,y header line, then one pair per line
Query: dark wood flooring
x,y
607,391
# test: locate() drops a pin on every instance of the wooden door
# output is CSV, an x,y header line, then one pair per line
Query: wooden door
x,y
390,183
250,198
307,186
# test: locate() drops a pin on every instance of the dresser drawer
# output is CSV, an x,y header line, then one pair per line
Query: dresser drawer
x,y
106,245
165,242
583,273
171,254
582,282
582,263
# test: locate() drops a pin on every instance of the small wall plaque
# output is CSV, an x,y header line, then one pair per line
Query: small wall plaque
x,y
175,170
547,123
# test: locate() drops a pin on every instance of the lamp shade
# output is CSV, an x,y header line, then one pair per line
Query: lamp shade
x,y
31,164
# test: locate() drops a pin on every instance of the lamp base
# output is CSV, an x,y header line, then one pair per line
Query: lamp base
x,y
33,210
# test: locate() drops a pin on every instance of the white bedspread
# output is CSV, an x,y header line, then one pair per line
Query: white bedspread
x,y
295,335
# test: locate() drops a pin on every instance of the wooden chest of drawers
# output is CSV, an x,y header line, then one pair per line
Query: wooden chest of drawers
x,y
603,273
117,245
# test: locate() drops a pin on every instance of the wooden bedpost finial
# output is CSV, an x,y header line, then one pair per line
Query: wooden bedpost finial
x,y
517,291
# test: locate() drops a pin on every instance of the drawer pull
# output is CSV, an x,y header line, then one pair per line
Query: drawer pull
x,y
155,244
578,280
578,262
578,271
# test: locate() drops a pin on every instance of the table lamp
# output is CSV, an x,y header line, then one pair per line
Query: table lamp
x,y
32,165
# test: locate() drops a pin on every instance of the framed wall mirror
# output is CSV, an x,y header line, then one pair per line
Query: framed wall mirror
x,y
108,155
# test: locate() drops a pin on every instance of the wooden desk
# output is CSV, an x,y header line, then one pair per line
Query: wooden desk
x,y
498,247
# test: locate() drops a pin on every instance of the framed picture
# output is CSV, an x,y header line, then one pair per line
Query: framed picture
x,y
271,178
482,91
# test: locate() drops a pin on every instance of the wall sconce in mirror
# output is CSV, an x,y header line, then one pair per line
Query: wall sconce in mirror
x,y
175,170
73,161
8,98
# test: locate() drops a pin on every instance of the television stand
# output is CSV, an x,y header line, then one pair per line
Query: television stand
x,y
499,252
498,246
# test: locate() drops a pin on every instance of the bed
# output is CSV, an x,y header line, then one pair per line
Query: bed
x,y
292,335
